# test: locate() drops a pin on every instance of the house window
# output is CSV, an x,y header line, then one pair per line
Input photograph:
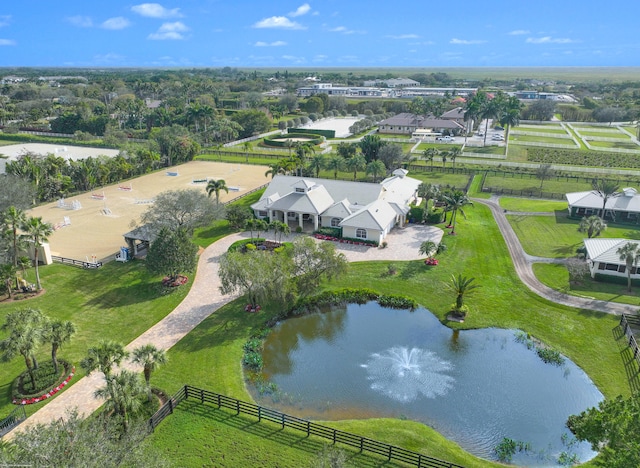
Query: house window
x,y
361,233
611,267
299,190
262,214
622,269
601,266
335,222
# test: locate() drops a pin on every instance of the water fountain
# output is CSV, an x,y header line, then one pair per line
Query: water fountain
x,y
402,373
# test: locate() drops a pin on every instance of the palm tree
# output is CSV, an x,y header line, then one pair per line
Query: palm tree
x,y
8,276
37,231
247,146
511,114
455,202
355,163
375,168
453,154
461,285
593,226
303,150
605,189
25,328
630,254
443,156
215,186
13,218
335,163
150,358
317,163
275,168
57,333
122,395
24,263
428,248
429,154
104,357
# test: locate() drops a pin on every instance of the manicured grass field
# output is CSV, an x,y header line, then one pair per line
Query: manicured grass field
x,y
528,182
557,236
616,144
550,129
529,205
524,139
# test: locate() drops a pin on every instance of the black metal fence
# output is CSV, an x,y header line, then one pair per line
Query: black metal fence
x,y
390,452
15,417
228,202
627,322
78,263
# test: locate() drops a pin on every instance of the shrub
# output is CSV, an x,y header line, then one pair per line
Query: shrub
x,y
253,361
550,356
329,231
46,379
416,214
435,217
298,229
395,301
250,246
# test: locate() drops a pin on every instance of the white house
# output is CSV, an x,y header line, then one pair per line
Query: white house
x,y
624,207
603,258
363,210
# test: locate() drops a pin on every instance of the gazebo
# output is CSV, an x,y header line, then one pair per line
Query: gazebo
x,y
139,239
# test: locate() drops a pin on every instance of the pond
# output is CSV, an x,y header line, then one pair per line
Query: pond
x,y
475,387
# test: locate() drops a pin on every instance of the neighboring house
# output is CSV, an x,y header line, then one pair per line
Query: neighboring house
x,y
393,83
329,89
623,208
407,123
603,258
363,210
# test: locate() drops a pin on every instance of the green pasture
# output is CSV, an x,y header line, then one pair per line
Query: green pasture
x,y
489,149
550,129
557,236
524,139
530,182
527,205
630,144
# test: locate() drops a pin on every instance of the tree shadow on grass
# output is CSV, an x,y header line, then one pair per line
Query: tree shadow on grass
x,y
562,217
631,365
634,235
567,250
276,434
132,294
411,269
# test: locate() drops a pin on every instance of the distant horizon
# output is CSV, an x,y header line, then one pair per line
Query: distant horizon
x,y
326,33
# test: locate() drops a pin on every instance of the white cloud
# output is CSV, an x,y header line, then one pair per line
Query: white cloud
x,y
80,21
7,42
466,42
301,10
155,10
404,36
549,40
169,31
320,58
294,58
5,20
279,22
345,30
270,44
423,43
116,23
518,32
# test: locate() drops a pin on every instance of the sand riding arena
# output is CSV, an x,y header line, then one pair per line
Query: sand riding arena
x,y
90,226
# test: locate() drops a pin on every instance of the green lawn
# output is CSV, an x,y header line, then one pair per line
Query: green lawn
x,y
524,139
118,301
557,236
557,277
529,205
616,144
529,182
550,129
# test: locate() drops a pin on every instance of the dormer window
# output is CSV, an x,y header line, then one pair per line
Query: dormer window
x,y
300,190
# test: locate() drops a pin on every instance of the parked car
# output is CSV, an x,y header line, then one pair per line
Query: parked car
x,y
498,128
498,137
480,133
446,139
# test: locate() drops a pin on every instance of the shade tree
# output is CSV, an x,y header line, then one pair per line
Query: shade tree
x,y
172,253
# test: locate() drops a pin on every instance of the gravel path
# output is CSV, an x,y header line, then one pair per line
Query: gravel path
x,y
203,299
522,263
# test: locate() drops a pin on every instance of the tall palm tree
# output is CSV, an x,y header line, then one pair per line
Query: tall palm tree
x,y
57,333
37,231
335,163
8,276
150,358
13,218
376,168
303,150
510,116
317,163
429,154
103,357
456,201
216,186
122,395
453,153
605,189
593,226
630,254
355,163
461,285
428,192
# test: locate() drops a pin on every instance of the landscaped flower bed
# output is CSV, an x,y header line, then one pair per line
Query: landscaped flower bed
x,y
179,281
252,308
342,241
49,394
431,261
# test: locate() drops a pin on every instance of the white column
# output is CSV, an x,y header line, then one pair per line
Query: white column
x,y
315,222
300,220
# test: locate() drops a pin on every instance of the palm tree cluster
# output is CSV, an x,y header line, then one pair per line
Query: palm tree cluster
x,y
19,233
27,330
124,389
499,107
430,154
454,202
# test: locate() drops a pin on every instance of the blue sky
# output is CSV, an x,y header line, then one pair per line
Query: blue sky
x,y
328,33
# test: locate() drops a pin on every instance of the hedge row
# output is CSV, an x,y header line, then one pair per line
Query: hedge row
x,y
282,141
583,158
314,131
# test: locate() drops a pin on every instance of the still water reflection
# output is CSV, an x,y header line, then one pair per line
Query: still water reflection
x,y
475,387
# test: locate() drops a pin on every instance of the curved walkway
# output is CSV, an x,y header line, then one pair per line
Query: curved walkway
x,y
522,263
203,299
